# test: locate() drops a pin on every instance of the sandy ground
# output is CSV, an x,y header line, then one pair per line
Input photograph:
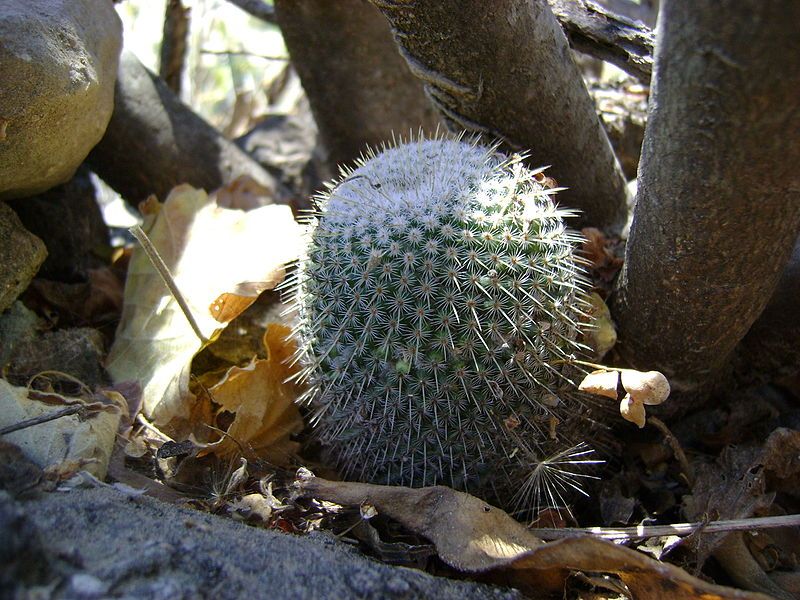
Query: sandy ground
x,y
100,543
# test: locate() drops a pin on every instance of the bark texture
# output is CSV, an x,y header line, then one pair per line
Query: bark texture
x,y
599,32
503,69
718,203
771,349
155,142
360,89
173,45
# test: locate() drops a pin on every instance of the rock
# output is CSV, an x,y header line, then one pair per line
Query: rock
x,y
77,352
21,253
137,547
70,223
58,64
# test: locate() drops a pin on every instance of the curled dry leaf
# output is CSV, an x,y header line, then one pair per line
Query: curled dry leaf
x,y
473,536
262,402
639,389
210,252
68,442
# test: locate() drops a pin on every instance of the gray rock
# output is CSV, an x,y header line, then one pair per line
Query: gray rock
x,y
137,547
69,222
21,253
58,64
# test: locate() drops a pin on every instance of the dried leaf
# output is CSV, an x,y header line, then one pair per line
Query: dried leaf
x,y
252,506
69,442
261,401
473,536
210,251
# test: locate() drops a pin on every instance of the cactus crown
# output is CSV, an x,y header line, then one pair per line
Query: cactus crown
x,y
439,302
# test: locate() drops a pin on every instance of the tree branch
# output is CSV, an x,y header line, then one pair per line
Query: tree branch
x,y
503,69
154,142
359,88
595,30
718,204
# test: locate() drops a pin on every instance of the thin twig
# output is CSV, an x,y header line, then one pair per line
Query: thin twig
x,y
166,276
675,445
620,534
244,53
43,418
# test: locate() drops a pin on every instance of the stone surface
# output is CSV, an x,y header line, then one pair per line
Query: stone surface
x,y
58,64
69,222
137,547
77,352
21,254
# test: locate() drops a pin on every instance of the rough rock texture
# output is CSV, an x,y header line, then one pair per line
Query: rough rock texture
x,y
70,223
100,543
76,351
58,64
21,253
154,142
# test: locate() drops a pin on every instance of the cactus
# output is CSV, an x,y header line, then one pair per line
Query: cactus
x,y
439,306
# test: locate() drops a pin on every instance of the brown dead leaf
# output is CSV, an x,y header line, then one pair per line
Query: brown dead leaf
x,y
265,415
210,251
473,536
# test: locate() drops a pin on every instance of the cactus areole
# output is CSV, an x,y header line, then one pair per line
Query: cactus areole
x,y
439,304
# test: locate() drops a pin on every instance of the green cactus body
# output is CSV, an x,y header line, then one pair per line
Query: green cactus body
x,y
439,303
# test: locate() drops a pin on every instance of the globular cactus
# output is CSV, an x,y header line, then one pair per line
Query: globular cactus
x,y
439,307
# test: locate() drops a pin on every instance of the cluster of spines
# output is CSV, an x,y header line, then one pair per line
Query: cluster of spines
x,y
438,304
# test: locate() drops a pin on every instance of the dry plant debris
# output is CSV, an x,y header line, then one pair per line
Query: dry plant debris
x,y
211,253
474,537
262,402
69,442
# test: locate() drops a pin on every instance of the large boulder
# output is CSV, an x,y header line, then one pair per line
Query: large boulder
x,y
58,64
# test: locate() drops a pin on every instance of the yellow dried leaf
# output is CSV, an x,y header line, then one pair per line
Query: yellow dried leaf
x,y
210,251
70,442
265,414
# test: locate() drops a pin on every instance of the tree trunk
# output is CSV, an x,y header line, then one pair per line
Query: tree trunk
x,y
155,142
503,68
360,89
173,45
718,203
771,349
